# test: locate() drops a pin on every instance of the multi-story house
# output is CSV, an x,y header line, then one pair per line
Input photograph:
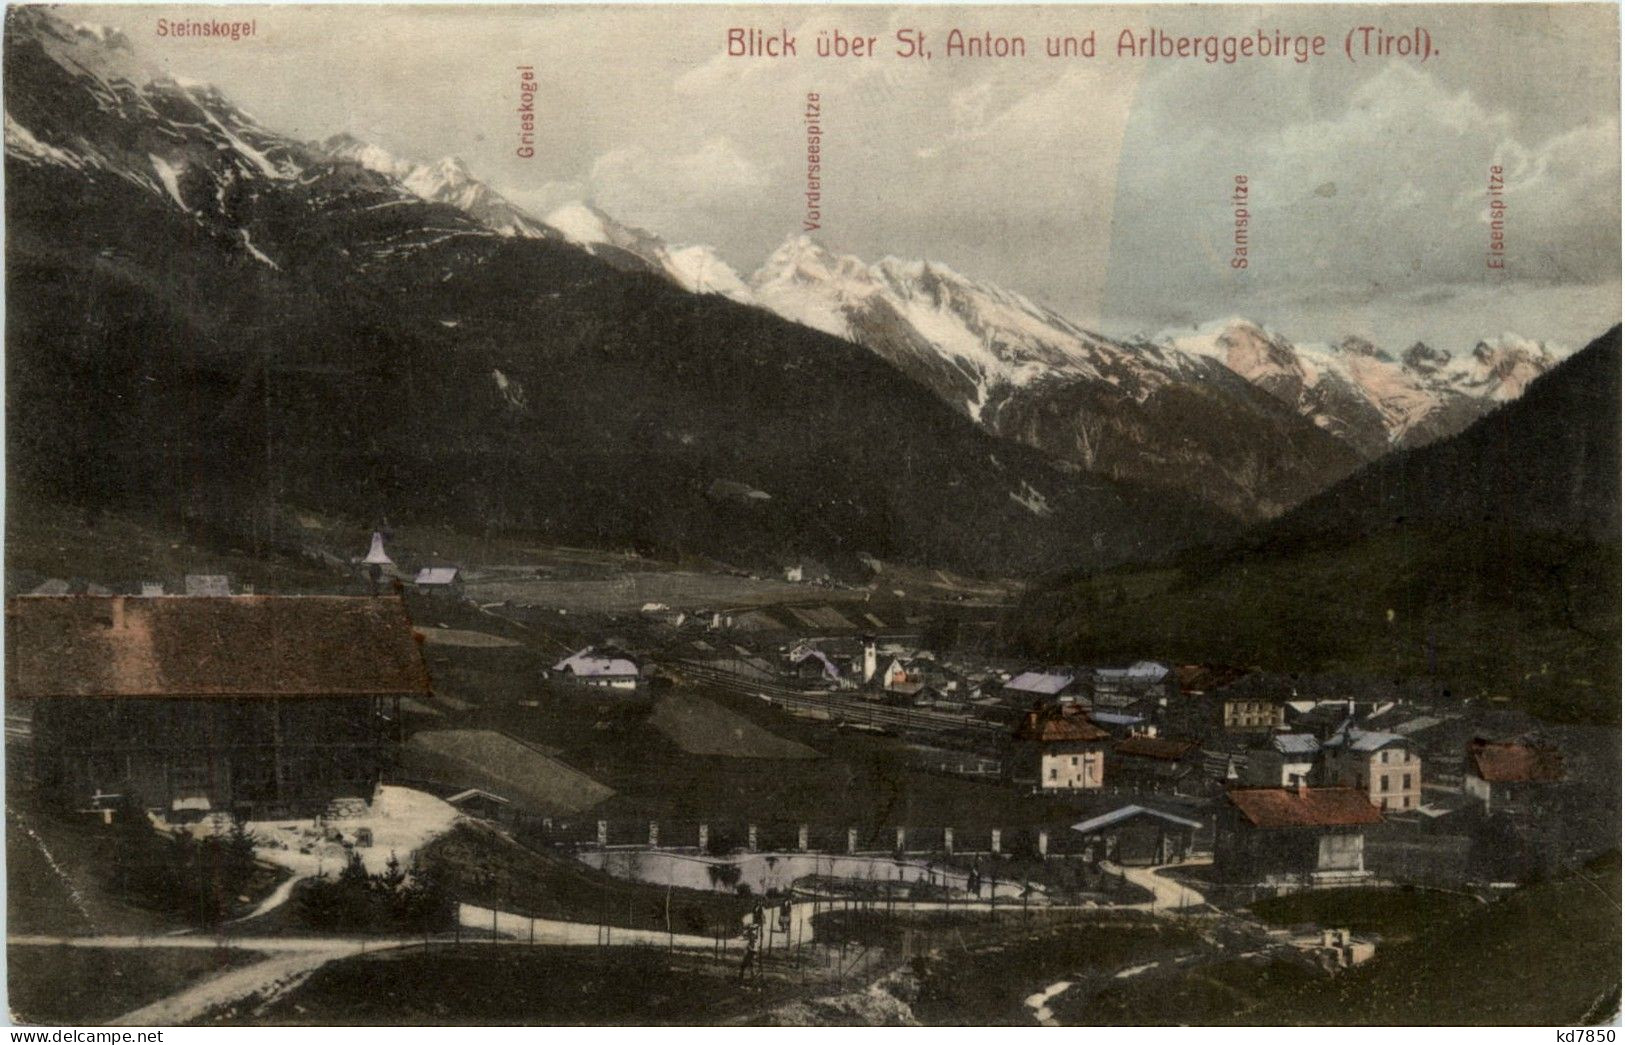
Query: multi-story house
x,y
1381,765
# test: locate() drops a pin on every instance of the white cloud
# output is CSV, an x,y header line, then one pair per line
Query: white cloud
x,y
714,172
1384,197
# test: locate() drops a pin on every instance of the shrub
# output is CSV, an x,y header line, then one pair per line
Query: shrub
x,y
389,900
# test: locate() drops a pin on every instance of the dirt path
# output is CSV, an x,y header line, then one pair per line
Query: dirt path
x,y
1166,893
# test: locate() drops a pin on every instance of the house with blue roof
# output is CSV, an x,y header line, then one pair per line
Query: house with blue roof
x,y
1283,760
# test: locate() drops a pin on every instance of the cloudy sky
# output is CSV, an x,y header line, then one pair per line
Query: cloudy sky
x,y
1100,187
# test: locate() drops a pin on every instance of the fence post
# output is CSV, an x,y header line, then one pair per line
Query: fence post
x,y
654,834
801,838
603,832
995,842
705,837
851,840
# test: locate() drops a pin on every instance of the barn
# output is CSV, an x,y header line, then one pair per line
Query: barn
x,y
267,706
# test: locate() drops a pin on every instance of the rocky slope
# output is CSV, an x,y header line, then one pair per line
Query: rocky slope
x,y
446,181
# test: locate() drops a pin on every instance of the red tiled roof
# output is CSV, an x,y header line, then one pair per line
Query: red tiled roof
x,y
199,646
1306,807
1155,747
1515,762
1066,723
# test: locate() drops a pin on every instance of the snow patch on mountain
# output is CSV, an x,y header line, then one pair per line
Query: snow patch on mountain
x,y
21,143
697,268
256,253
170,179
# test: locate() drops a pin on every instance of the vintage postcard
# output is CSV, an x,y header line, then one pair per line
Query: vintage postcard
x,y
931,515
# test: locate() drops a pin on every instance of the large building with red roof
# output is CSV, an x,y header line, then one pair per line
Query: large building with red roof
x,y
1294,837
272,706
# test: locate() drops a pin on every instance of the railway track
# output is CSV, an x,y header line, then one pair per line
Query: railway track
x,y
854,711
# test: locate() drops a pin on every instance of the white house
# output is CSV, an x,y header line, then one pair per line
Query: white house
x,y
585,668
432,579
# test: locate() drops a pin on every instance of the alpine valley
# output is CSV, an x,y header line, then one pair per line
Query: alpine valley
x,y
248,323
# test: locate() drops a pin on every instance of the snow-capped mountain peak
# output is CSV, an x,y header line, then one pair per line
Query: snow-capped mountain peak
x,y
1366,395
981,338
447,180
696,268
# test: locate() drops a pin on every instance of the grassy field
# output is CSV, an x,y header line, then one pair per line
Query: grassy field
x,y
520,985
56,880
1547,955
985,976
1224,991
1395,914
81,985
702,727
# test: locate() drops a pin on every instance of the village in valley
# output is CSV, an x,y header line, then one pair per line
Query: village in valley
x,y
466,565
782,789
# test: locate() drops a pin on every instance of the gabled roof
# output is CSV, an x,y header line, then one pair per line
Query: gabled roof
x,y
1304,807
584,664
211,646
463,796
1302,744
1155,747
1129,812
436,575
805,654
1064,724
1040,682
1515,762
